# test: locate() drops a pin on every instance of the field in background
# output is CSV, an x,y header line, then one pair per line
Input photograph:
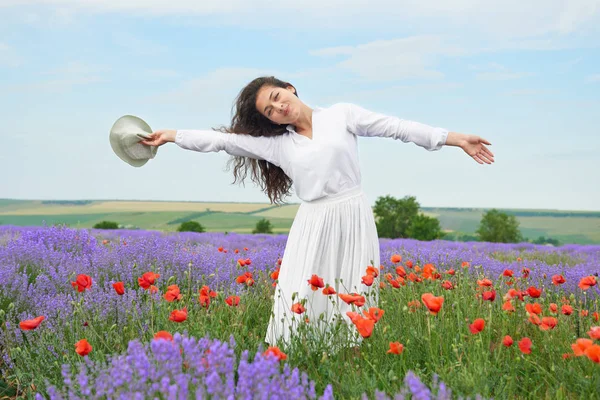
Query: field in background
x,y
566,226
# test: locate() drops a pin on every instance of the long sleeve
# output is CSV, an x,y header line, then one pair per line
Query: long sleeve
x,y
259,147
362,122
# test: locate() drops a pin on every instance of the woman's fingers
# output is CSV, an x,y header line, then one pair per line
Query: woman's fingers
x,y
482,140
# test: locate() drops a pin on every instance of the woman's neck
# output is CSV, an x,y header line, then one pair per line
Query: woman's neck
x,y
304,121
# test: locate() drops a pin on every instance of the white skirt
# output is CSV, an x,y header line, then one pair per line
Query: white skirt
x,y
334,237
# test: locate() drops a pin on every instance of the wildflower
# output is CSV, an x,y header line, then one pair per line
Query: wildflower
x,y
367,280
587,282
434,304
353,298
83,348
396,258
172,293
507,341
484,282
178,315
329,290
30,324
395,348
558,280
477,326
119,288
316,282
275,351
525,345
82,282
567,309
164,335
534,292
489,295
548,323
233,300
298,308
147,279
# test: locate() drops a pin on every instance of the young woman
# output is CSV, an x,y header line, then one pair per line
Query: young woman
x,y
285,143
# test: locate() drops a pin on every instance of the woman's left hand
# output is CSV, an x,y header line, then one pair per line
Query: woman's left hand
x,y
473,145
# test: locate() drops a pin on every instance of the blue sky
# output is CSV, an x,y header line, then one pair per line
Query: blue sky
x,y
524,76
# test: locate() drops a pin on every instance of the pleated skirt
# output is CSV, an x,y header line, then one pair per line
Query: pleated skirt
x,y
335,238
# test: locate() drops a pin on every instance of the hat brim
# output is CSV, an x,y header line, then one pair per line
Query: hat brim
x,y
126,132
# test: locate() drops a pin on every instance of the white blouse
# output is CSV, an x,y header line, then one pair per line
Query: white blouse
x,y
327,163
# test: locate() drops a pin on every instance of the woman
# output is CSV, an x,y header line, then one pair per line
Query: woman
x,y
286,143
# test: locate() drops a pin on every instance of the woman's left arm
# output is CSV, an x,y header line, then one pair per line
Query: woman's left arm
x,y
363,122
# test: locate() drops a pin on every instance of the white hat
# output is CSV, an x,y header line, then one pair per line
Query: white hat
x,y
125,136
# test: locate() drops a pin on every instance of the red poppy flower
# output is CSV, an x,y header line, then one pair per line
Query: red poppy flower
x,y
316,282
364,325
580,346
507,341
353,298
220,249
275,274
82,282
233,300
558,279
163,335
593,353
512,293
244,278
508,273
507,306
428,271
298,308
147,279
395,348
30,324
241,262
367,280
489,295
477,326
447,285
451,272
553,307
172,293
83,348
371,270
396,258
178,315
534,308
400,271
548,323
119,288
525,345
274,350
534,292
409,264
587,282
465,264
525,272
567,309
329,290
374,313
484,282
434,304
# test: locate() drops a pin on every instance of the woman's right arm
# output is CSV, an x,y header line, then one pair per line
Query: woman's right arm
x,y
258,147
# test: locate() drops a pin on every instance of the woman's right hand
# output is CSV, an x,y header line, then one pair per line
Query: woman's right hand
x,y
158,138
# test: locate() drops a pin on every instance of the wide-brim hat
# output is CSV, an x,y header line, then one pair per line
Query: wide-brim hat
x,y
125,136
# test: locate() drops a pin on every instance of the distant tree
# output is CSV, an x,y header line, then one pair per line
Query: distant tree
x,y
394,216
106,225
190,226
545,240
497,226
423,227
263,226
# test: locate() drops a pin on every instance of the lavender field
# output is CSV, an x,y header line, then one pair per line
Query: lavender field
x,y
139,314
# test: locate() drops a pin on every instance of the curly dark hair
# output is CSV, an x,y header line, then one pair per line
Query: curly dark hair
x,y
248,120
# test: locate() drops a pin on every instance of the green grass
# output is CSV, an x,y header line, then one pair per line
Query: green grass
x,y
566,226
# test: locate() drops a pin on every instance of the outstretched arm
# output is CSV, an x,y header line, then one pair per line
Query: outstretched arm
x,y
258,147
363,122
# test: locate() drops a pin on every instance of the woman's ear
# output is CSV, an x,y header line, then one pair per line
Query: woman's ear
x,y
291,89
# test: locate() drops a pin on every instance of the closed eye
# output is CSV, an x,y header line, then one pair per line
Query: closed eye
x,y
275,98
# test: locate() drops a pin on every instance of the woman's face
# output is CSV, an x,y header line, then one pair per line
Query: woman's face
x,y
280,105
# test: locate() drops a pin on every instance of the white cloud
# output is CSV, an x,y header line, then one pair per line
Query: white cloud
x,y
55,85
411,57
502,18
594,78
497,72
